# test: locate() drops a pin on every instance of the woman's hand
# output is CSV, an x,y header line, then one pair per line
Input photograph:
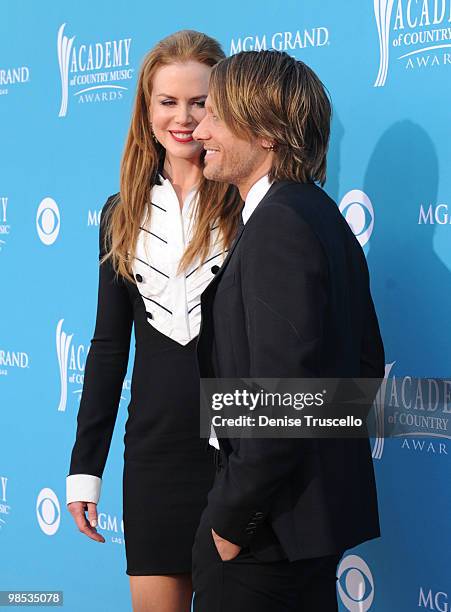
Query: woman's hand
x,y
86,526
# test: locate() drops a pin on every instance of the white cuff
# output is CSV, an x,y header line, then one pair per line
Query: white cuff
x,y
213,441
83,487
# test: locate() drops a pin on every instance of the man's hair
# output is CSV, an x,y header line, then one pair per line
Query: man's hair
x,y
271,95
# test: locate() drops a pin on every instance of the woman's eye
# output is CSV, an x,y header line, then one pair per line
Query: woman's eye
x,y
199,104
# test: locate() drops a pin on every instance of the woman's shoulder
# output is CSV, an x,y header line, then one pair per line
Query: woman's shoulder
x,y
104,219
111,202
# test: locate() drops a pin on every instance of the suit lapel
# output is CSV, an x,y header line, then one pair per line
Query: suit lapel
x,y
207,297
220,272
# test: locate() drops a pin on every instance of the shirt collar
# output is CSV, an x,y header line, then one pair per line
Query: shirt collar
x,y
163,194
256,194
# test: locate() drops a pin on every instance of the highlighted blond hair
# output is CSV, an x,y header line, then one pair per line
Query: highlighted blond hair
x,y
216,203
271,95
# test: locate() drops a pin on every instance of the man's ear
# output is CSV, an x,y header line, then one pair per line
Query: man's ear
x,y
269,145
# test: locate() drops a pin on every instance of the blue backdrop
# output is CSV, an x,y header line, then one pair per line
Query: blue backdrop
x,y
68,72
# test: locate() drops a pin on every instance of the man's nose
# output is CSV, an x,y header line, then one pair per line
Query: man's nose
x,y
200,133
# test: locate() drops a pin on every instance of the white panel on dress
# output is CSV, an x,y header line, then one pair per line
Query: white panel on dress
x,y
171,298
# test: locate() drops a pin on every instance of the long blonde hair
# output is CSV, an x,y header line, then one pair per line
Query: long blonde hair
x,y
216,203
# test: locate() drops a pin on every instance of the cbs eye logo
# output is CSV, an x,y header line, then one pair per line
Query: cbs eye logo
x,y
355,584
357,209
48,221
48,511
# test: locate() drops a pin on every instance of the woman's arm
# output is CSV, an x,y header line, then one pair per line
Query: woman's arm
x,y
106,366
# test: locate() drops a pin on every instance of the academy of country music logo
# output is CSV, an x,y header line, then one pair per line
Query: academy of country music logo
x,y
5,227
379,403
48,221
10,77
281,41
417,411
94,71
48,511
71,362
5,508
355,584
357,208
416,34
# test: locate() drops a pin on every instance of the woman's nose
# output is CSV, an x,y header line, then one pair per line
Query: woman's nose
x,y
183,115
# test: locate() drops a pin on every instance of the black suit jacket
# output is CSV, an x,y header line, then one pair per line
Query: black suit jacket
x,y
292,300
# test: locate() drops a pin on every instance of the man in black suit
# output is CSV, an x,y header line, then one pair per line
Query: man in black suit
x,y
292,300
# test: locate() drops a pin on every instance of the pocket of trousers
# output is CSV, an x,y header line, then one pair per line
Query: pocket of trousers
x,y
243,550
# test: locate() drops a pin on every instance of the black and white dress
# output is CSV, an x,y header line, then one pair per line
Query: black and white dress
x,y
168,468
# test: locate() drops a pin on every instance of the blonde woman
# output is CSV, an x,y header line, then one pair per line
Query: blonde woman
x,y
162,239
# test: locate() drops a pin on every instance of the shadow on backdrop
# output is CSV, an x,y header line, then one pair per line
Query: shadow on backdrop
x,y
410,284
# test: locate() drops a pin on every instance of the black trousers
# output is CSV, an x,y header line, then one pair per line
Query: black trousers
x,y
247,584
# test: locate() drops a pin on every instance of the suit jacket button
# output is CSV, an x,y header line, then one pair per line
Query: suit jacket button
x,y
149,315
139,278
215,269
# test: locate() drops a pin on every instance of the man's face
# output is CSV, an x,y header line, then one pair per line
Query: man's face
x,y
229,158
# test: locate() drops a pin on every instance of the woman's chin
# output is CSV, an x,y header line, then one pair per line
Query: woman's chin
x,y
191,150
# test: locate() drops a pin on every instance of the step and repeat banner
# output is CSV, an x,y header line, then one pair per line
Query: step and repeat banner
x,y
68,72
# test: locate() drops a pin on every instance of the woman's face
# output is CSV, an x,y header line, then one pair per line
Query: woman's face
x,y
177,106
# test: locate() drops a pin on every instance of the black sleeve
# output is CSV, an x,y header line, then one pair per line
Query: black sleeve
x,y
284,276
106,366
372,355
